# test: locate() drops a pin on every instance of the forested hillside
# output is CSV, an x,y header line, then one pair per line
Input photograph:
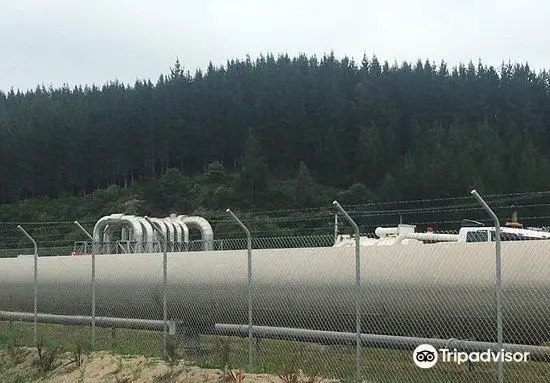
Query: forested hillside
x,y
282,132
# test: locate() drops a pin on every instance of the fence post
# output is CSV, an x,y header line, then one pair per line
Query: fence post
x,y
157,228
357,290
498,283
35,294
249,287
93,279
335,228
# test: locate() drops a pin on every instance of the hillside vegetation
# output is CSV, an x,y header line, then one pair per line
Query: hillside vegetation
x,y
273,133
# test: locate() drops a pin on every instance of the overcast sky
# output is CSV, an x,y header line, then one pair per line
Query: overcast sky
x,y
85,42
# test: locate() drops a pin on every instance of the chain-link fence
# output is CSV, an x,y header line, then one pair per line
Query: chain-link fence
x,y
301,296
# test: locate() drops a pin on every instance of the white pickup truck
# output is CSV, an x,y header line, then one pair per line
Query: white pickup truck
x,y
475,232
487,234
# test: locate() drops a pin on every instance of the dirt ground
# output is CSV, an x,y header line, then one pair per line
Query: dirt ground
x,y
24,365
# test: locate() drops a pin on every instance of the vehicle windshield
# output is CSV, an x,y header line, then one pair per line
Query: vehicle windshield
x,y
477,236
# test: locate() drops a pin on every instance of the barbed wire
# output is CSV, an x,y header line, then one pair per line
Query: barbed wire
x,y
510,196
494,205
319,217
68,223
444,209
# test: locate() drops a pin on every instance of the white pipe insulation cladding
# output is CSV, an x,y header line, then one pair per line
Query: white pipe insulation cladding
x,y
202,225
162,226
443,290
426,237
181,228
104,228
148,234
393,231
140,232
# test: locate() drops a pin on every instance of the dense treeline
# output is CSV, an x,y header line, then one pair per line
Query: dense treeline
x,y
280,132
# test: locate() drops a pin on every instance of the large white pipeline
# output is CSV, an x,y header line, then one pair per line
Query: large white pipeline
x,y
438,290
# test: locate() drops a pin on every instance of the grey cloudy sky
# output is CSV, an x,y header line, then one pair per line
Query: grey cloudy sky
x,y
85,42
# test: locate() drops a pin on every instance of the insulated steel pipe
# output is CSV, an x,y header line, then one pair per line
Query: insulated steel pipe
x,y
132,323
437,290
539,353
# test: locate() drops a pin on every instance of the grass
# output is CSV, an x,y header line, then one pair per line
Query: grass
x,y
273,356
